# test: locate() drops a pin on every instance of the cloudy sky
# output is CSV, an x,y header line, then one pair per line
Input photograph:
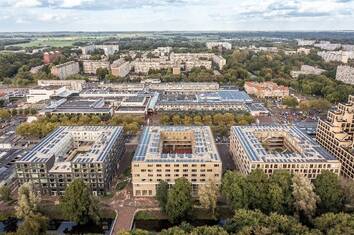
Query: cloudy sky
x,y
150,15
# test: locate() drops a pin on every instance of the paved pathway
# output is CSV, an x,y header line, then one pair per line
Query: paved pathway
x,y
126,205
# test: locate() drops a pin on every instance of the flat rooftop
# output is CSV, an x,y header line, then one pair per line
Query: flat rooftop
x,y
76,144
176,144
305,149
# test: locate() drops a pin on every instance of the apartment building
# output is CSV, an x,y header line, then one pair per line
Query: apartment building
x,y
336,134
171,152
345,74
108,49
340,56
307,70
66,70
91,66
266,89
279,147
226,45
301,42
90,153
303,50
49,57
219,61
121,68
325,45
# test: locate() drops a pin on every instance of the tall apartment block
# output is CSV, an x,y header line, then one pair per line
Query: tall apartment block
x,y
279,147
65,70
90,153
345,74
121,68
336,134
171,152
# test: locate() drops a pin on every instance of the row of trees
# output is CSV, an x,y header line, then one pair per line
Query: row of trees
x,y
6,114
220,123
44,125
287,194
216,119
280,204
77,205
247,222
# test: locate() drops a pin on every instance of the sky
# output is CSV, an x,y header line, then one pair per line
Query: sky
x,y
176,15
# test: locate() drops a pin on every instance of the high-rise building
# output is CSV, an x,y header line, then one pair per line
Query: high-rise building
x,y
121,68
171,152
65,70
90,153
336,134
345,74
279,147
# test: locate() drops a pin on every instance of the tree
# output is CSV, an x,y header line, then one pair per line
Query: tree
x,y
348,191
5,193
233,189
327,187
162,194
283,179
28,201
257,189
208,195
305,199
331,223
179,201
101,73
35,225
165,119
208,230
290,101
78,205
4,114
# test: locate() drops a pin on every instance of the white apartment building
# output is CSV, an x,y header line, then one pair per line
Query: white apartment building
x,y
301,42
341,56
219,61
108,49
306,51
226,45
121,68
307,70
345,74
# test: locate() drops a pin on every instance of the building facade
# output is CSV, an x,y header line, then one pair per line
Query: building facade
x,y
266,90
66,70
168,153
121,68
336,134
345,74
91,66
90,153
279,147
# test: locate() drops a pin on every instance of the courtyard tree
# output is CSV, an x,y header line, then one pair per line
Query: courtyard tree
x,y
28,201
208,195
305,199
233,189
179,201
78,204
5,193
327,187
162,194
